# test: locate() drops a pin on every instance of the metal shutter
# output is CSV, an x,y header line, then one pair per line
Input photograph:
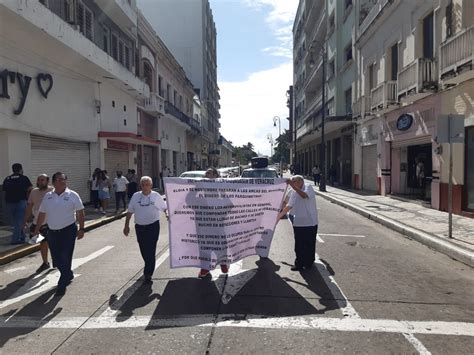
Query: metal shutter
x,y
369,168
412,141
115,160
49,155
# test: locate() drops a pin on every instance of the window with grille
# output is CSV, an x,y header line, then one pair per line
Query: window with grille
x,y
120,52
114,46
106,39
85,20
127,57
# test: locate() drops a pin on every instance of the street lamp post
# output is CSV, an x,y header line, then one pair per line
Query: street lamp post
x,y
322,152
276,118
270,140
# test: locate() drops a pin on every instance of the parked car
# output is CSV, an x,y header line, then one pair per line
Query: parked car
x,y
193,174
259,169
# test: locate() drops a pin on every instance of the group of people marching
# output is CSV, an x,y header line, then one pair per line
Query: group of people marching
x,y
56,211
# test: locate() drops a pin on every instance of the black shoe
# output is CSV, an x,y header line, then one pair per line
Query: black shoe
x,y
44,266
60,291
70,280
296,268
147,280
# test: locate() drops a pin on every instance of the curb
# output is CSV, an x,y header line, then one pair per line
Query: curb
x,y
430,240
24,250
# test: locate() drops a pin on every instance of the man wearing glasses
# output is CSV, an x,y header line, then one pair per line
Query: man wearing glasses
x,y
146,205
62,207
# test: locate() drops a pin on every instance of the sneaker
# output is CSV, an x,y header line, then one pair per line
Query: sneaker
x,y
224,269
103,212
203,273
44,266
96,209
60,291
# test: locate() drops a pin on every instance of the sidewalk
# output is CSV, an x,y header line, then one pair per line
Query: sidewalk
x,y
10,252
423,224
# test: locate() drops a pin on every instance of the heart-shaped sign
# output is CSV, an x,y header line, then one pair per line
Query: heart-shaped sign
x,y
41,79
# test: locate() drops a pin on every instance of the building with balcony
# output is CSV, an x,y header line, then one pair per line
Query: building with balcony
x,y
68,76
188,30
323,65
414,66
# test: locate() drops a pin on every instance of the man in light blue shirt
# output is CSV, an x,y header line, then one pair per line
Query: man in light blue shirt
x,y
302,206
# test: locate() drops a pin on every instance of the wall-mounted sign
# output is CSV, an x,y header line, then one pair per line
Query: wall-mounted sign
x,y
117,145
404,122
44,82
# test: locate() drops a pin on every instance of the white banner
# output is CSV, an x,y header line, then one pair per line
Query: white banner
x,y
221,221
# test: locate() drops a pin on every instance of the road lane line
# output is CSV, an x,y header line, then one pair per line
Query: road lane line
x,y
113,308
15,269
250,321
319,239
341,299
417,344
237,277
341,235
48,280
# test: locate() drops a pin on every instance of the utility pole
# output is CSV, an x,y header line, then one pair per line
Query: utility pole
x,y
322,185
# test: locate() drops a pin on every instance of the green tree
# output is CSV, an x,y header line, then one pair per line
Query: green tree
x,y
244,153
282,151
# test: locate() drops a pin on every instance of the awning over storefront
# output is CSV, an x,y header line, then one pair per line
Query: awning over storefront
x,y
130,138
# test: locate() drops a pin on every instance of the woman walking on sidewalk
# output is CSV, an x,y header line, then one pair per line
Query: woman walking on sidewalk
x,y
147,206
104,191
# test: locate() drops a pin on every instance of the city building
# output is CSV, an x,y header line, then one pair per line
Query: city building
x,y
188,30
324,72
69,87
414,67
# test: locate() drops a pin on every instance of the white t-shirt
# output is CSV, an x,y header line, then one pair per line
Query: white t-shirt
x,y
304,209
61,209
120,184
146,208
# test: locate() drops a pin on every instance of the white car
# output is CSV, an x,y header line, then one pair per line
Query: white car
x,y
193,174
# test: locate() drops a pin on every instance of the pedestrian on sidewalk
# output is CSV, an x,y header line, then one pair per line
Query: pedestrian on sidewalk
x,y
316,175
104,191
302,207
17,187
132,183
32,209
94,187
62,207
212,173
146,205
120,185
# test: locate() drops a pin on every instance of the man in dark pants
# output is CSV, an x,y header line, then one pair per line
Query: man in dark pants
x,y
146,205
302,204
62,206
17,187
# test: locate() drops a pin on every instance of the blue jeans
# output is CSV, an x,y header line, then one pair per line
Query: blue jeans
x,y
16,212
61,243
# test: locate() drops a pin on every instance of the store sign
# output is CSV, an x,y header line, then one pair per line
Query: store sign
x,y
117,145
404,122
44,82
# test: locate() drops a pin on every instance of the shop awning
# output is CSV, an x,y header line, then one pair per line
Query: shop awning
x,y
131,138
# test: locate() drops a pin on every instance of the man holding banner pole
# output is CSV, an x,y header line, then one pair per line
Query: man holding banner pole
x,y
302,204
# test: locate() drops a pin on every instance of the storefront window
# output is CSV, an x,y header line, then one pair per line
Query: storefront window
x,y
470,167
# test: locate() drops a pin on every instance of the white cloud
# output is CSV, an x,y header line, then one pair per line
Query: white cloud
x,y
248,107
280,20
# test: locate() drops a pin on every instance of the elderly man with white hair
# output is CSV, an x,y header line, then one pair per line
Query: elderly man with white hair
x,y
302,207
147,206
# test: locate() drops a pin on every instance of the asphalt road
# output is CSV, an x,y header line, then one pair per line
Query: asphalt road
x,y
373,291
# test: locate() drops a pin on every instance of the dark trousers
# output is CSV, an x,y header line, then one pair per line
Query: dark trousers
x,y
120,196
305,245
132,188
147,237
95,198
317,178
61,244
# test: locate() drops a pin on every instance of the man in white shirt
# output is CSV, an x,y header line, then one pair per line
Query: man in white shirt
x,y
302,206
146,205
120,186
62,206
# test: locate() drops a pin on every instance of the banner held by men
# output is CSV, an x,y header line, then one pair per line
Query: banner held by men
x,y
221,221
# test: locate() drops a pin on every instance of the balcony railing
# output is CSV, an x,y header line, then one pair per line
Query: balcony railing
x,y
155,105
174,111
384,95
422,73
457,51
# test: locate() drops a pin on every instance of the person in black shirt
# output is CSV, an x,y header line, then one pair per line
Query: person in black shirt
x,y
17,187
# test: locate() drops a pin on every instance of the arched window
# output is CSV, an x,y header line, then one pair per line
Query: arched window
x,y
148,74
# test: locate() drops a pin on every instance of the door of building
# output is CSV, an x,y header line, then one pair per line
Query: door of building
x,y
470,168
369,168
50,155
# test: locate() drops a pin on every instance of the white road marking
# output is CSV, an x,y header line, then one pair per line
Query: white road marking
x,y
341,235
46,281
113,309
15,269
319,239
341,299
416,344
236,279
251,321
